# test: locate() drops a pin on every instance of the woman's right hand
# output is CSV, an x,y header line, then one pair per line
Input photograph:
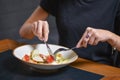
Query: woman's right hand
x,y
41,29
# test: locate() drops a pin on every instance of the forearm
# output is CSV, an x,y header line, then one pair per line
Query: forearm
x,y
26,29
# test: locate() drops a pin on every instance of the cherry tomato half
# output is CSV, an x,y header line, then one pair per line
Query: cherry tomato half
x,y
50,59
26,57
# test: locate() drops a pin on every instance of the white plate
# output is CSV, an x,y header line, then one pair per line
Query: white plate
x,y
19,52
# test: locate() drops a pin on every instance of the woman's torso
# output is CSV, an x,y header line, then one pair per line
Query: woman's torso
x,y
74,16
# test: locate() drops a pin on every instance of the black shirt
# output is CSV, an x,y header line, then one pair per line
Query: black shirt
x,y
74,16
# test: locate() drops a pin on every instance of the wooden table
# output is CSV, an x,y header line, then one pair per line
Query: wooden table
x,y
110,72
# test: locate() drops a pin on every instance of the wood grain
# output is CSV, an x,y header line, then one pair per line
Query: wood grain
x,y
8,44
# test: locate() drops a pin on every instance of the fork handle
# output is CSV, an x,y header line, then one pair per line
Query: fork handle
x,y
73,48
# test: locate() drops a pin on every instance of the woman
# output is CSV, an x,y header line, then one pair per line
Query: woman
x,y
72,19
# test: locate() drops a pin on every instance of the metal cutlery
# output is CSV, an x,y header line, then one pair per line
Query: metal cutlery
x,y
49,50
63,49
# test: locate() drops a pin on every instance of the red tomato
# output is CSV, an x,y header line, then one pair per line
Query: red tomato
x,y
26,57
50,59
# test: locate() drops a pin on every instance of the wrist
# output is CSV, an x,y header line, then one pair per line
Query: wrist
x,y
113,40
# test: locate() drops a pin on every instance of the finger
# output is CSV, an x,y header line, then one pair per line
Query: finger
x,y
34,26
84,40
39,30
91,40
84,43
81,41
46,30
96,41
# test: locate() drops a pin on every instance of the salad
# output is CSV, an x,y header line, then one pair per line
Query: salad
x,y
39,58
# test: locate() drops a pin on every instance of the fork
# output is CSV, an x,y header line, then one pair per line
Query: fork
x,y
63,49
49,50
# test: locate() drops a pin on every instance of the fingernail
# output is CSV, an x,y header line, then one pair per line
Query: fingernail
x,y
87,36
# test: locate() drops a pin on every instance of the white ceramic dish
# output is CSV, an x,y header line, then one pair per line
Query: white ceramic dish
x,y
19,52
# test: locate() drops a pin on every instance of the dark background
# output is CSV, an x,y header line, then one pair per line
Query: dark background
x,y
13,13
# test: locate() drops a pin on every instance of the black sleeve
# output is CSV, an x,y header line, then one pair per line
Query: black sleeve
x,y
117,20
50,6
116,53
118,11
